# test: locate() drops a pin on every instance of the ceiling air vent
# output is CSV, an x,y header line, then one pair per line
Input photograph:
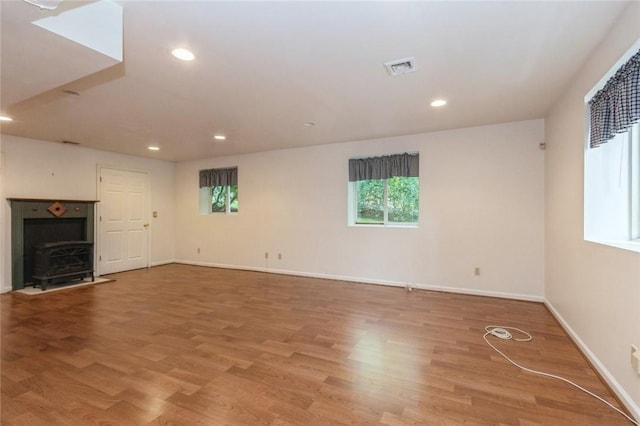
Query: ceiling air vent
x,y
400,66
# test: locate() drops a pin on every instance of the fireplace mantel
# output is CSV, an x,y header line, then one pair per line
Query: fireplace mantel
x,y
26,210
51,200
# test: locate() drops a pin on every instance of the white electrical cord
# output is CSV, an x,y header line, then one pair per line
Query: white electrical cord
x,y
503,333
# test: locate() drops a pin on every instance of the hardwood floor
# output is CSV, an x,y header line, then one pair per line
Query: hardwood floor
x,y
185,345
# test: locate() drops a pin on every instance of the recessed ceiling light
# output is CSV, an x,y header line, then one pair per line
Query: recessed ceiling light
x,y
5,118
438,103
154,148
183,54
219,137
309,124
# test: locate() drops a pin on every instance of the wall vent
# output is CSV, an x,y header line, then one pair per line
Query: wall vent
x,y
400,66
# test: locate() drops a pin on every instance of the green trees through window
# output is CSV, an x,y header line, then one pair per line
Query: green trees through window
x,y
381,201
224,199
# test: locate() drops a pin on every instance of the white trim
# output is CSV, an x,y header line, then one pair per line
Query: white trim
x,y
444,289
162,262
405,225
615,386
352,215
221,265
484,293
631,245
625,146
634,159
121,168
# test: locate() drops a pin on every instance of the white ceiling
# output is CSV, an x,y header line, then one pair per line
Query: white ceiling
x,y
263,69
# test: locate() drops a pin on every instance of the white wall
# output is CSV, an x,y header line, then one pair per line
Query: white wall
x,y
481,205
37,169
594,289
4,260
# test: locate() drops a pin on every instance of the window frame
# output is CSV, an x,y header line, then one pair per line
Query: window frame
x,y
632,240
227,199
631,145
634,190
214,177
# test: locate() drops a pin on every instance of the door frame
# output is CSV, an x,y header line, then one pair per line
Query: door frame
x,y
100,203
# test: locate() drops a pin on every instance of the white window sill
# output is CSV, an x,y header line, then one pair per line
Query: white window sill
x,y
631,245
373,225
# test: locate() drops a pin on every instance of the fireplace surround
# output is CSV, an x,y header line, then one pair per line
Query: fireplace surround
x,y
38,222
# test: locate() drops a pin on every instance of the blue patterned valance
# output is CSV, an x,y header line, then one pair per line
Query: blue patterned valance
x,y
616,107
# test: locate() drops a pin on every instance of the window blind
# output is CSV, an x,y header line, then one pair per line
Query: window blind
x,y
616,107
219,177
384,167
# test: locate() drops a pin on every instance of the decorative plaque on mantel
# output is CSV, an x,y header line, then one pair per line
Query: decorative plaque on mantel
x,y
57,209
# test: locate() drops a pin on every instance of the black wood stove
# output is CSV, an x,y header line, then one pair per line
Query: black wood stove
x,y
62,261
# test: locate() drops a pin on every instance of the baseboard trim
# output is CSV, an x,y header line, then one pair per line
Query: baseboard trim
x,y
162,262
444,289
484,293
220,265
606,375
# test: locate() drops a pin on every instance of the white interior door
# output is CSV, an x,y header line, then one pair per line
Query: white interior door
x,y
123,221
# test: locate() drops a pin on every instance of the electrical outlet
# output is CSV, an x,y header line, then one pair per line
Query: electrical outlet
x,y
476,271
279,256
635,359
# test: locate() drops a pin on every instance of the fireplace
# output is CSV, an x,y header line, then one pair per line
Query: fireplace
x,y
37,225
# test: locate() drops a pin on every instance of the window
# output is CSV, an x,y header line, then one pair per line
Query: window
x,y
611,189
224,199
219,190
384,190
612,159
